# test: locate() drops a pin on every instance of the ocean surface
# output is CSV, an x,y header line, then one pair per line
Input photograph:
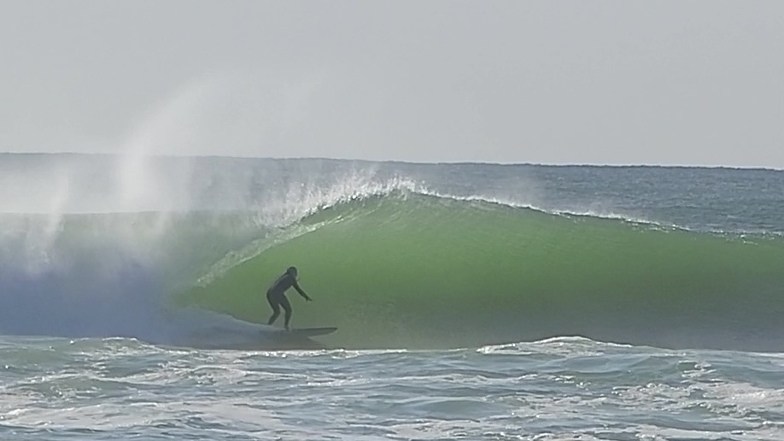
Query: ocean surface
x,y
473,301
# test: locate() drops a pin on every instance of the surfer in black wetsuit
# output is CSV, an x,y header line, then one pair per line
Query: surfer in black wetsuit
x,y
276,295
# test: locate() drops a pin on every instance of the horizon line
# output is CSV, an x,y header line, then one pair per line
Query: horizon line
x,y
412,162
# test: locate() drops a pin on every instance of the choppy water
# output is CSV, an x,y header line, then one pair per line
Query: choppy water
x,y
559,389
473,301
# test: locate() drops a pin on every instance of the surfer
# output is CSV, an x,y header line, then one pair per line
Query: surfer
x,y
276,295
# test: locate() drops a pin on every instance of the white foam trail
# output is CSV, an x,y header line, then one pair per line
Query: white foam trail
x,y
514,203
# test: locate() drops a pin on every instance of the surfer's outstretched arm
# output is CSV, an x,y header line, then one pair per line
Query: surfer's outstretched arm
x,y
301,292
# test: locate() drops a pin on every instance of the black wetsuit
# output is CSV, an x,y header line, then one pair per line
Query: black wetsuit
x,y
276,296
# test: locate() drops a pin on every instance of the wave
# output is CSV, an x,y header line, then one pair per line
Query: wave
x,y
413,270
396,255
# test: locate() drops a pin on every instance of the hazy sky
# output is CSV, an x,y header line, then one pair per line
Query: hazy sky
x,y
603,82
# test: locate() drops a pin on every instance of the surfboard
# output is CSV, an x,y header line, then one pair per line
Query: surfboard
x,y
306,332
312,332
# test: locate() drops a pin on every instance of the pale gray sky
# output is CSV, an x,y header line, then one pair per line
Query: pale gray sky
x,y
602,82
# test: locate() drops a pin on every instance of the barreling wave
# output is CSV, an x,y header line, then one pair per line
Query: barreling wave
x,y
412,270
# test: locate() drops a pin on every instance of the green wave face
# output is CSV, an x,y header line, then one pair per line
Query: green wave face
x,y
427,272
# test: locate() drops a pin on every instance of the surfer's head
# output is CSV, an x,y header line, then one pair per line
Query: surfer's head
x,y
292,271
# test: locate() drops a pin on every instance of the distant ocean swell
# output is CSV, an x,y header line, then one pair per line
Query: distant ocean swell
x,y
413,270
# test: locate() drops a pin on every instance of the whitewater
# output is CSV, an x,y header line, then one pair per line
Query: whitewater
x,y
473,301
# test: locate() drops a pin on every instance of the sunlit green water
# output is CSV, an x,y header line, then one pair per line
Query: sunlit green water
x,y
422,271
